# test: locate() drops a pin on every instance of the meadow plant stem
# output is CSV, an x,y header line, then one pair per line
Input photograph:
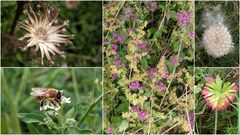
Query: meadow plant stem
x,y
75,86
22,85
238,113
89,109
216,121
174,70
12,106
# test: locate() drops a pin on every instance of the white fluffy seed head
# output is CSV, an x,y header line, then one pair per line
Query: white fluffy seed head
x,y
217,40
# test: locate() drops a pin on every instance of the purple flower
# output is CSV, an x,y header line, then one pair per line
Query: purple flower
x,y
175,59
117,60
129,31
136,85
152,6
191,34
161,86
128,10
142,115
114,48
135,108
151,72
119,37
114,76
184,17
109,130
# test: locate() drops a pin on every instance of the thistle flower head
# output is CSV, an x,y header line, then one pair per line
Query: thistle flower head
x,y
217,94
43,32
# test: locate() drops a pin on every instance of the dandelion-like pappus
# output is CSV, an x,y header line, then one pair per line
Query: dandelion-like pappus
x,y
45,33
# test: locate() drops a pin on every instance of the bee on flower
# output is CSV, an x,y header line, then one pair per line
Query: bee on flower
x,y
44,33
50,99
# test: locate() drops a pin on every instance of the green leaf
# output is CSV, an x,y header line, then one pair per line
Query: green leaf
x,y
144,62
123,126
122,98
121,82
32,129
30,117
157,34
76,130
176,46
169,66
72,112
123,107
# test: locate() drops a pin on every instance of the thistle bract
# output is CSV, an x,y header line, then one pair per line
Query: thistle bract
x,y
217,94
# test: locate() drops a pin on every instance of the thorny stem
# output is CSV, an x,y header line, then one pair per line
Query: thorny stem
x,y
17,15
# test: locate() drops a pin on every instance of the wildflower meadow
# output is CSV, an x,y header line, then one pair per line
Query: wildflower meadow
x,y
148,61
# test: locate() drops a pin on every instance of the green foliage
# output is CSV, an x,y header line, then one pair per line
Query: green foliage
x,y
85,24
140,39
24,113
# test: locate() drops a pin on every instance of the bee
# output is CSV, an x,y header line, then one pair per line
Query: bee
x,y
50,94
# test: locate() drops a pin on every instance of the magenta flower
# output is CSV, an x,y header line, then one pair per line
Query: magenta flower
x,y
117,60
175,59
114,76
109,130
119,37
142,115
129,31
184,17
114,48
191,34
152,6
209,79
135,108
136,85
151,72
161,86
128,10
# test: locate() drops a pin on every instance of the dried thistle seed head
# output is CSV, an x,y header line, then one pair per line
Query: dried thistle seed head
x,y
44,33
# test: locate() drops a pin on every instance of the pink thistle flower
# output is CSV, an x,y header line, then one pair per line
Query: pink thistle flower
x,y
184,17
152,6
217,94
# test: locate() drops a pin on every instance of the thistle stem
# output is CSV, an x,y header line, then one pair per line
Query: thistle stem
x,y
216,120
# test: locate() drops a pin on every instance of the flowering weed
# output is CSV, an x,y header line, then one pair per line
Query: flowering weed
x,y
148,78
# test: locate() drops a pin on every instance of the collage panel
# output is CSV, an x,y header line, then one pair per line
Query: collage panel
x,y
51,33
217,100
51,101
217,34
148,67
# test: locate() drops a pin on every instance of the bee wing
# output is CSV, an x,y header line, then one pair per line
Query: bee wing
x,y
38,92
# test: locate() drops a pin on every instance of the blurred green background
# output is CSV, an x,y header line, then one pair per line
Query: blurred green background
x,y
83,86
85,23
230,11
